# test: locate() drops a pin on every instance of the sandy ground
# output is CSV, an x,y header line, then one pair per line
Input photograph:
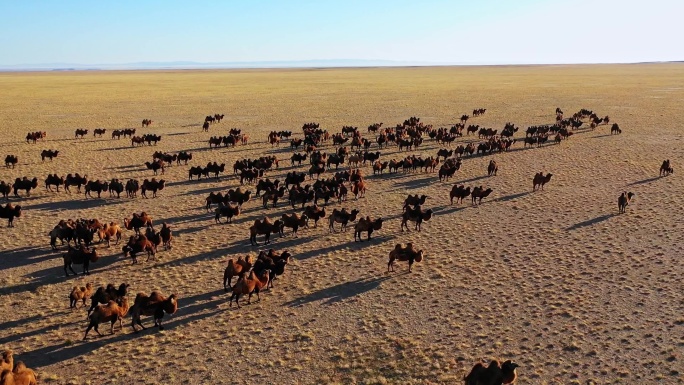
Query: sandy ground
x,y
554,280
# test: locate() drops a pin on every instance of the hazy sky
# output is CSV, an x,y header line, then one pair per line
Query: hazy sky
x,y
440,31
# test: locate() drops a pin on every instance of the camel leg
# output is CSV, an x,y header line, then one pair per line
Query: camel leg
x,y
90,326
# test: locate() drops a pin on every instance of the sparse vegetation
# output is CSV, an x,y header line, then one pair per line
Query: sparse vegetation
x,y
552,280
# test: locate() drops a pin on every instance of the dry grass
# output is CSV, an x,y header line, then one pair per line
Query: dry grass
x,y
552,280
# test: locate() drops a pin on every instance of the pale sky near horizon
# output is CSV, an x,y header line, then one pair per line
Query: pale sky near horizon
x,y
434,31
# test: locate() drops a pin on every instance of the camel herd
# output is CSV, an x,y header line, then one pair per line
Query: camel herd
x,y
254,275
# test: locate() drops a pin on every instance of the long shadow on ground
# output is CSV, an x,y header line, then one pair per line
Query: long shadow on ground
x,y
590,222
644,181
55,273
23,256
351,243
510,197
76,204
340,292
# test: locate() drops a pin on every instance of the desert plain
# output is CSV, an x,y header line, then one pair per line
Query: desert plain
x,y
554,280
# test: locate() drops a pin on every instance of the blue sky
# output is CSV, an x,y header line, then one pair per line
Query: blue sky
x,y
436,31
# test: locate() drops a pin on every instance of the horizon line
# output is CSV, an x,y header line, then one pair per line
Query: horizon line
x,y
277,64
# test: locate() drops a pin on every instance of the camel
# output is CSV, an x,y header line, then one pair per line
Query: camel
x,y
540,180
153,305
458,192
665,168
53,180
408,253
359,189
265,227
492,168
48,154
294,222
315,213
24,184
415,215
343,217
81,256
367,225
624,200
138,221
413,200
139,244
478,193
113,311
229,211
494,374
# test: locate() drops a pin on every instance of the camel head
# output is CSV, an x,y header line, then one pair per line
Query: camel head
x,y
7,355
509,365
172,306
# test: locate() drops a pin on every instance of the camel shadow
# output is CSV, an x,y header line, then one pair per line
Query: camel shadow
x,y
115,148
590,222
76,204
55,274
351,244
204,190
601,136
524,148
340,292
448,209
193,181
23,198
510,197
645,181
199,149
475,179
189,230
133,166
415,183
23,322
187,218
25,256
